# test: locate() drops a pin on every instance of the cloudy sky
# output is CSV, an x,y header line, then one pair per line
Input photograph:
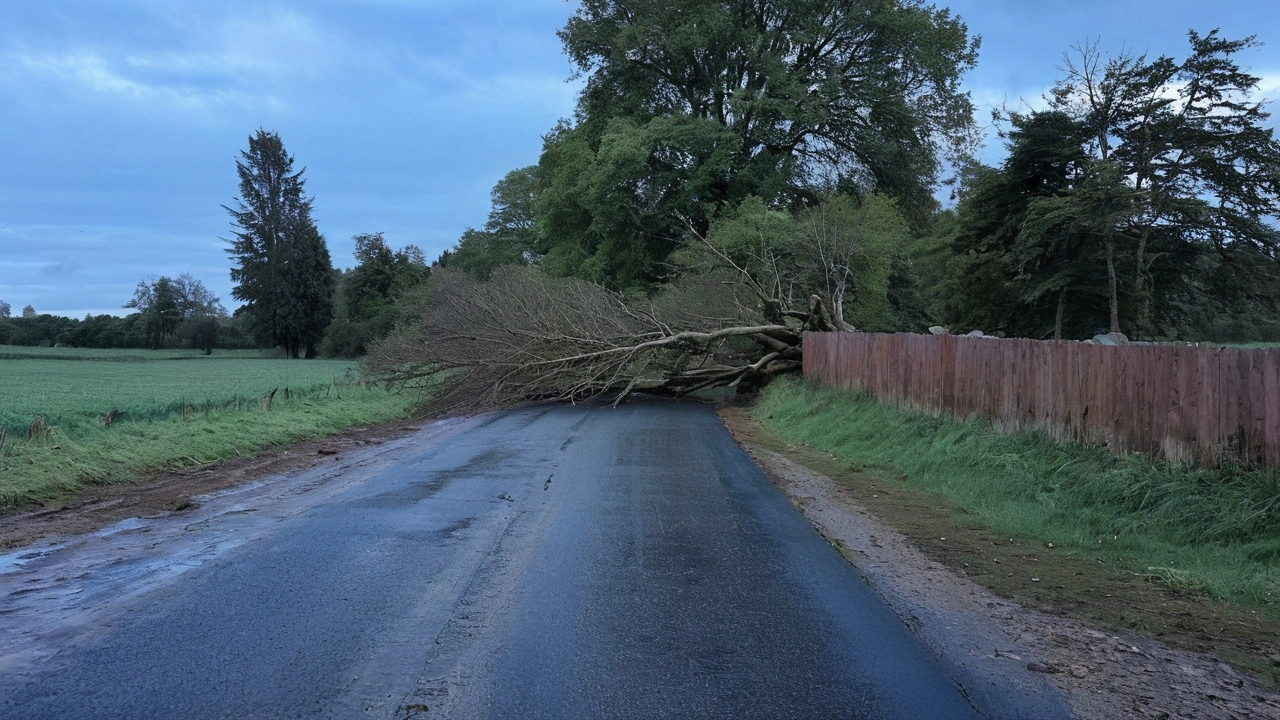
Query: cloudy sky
x,y
120,121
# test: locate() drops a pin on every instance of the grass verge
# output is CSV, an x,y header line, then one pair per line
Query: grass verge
x,y
65,461
1185,553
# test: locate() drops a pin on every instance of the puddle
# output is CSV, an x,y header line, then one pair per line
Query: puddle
x,y
112,569
124,525
12,562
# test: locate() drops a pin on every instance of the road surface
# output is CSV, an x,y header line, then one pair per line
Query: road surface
x,y
551,562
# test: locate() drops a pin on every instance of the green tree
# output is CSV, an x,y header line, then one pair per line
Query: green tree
x,y
1190,141
695,105
167,305
508,237
369,292
157,301
840,251
282,267
848,246
1144,196
1013,261
808,90
5,309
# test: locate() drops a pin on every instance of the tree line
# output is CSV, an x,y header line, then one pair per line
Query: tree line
x,y
770,166
738,171
1143,199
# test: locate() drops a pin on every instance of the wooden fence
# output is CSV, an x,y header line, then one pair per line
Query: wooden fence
x,y
1178,402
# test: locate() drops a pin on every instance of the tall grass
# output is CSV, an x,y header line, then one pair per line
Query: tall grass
x,y
1216,530
43,469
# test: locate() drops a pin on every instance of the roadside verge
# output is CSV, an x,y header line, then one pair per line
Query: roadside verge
x,y
178,490
1078,623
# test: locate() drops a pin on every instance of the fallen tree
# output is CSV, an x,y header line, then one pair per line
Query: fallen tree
x,y
523,335
737,301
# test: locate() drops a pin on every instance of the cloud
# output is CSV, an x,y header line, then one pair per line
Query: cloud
x,y
99,75
1269,84
247,60
276,44
62,269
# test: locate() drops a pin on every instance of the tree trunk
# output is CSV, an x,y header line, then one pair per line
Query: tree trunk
x,y
1111,284
1057,320
1141,294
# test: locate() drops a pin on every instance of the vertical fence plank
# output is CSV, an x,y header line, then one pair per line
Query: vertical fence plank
x,y
1176,402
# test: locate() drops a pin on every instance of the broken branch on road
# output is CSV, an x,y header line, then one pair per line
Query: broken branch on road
x,y
523,335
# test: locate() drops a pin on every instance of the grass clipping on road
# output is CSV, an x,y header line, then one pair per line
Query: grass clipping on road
x,y
1187,553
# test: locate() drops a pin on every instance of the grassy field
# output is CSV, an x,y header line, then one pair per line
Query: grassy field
x,y
171,408
1212,531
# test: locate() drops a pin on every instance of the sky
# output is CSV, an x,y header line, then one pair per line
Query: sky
x,y
120,121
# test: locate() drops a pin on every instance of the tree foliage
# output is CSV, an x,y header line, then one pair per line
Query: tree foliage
x,y
508,237
1147,192
694,106
367,294
283,271
840,250
166,304
807,91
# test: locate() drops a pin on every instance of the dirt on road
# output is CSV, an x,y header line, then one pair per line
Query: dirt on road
x,y
174,490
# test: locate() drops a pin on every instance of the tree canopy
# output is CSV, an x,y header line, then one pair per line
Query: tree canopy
x,y
283,271
166,304
693,106
1146,194
367,295
508,237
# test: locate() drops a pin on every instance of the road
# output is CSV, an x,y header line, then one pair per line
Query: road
x,y
550,562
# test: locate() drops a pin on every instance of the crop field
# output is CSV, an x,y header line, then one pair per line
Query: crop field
x,y
76,417
74,389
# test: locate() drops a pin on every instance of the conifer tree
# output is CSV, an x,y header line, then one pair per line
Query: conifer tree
x,y
283,270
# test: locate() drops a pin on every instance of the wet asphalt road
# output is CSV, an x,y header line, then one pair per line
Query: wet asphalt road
x,y
552,562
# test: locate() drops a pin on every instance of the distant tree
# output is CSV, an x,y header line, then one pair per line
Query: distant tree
x,y
5,309
1145,199
167,304
201,331
508,238
157,300
28,312
282,266
1192,164
194,299
369,291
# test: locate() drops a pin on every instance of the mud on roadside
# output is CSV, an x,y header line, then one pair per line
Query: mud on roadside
x,y
172,491
1114,645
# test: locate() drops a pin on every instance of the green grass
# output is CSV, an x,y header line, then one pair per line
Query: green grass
x,y
75,389
1216,531
18,352
172,409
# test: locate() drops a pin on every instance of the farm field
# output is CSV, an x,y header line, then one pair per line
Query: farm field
x,y
171,408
